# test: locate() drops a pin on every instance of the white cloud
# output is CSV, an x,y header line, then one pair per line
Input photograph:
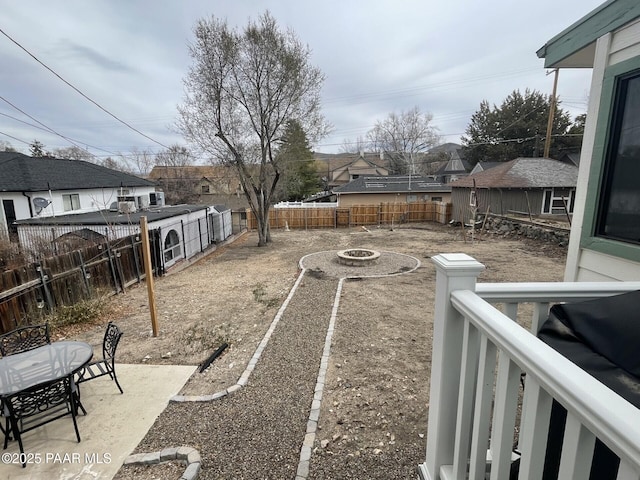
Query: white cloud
x,y
378,56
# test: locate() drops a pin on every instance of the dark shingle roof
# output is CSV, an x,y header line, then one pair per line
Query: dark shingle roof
x,y
524,173
108,217
21,173
392,184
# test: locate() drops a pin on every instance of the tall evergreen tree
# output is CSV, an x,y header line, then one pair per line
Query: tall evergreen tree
x,y
295,160
518,129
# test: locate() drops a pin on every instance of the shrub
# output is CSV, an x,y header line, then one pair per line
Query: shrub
x,y
85,311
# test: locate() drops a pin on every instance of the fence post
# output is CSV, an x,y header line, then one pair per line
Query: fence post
x,y
136,258
453,272
114,273
45,288
85,275
184,242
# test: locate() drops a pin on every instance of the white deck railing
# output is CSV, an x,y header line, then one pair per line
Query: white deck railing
x,y
478,356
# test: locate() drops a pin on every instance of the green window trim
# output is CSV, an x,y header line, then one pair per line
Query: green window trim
x,y
588,238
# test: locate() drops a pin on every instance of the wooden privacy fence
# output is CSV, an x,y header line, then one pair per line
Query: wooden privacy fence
x,y
354,215
28,292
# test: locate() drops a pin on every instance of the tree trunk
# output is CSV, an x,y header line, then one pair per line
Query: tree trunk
x,y
262,216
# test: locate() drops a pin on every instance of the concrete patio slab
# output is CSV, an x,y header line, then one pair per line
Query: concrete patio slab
x,y
114,425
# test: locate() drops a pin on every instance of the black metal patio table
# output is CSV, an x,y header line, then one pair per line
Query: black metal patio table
x,y
41,365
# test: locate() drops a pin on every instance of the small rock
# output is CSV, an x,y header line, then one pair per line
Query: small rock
x,y
166,355
147,357
324,443
377,451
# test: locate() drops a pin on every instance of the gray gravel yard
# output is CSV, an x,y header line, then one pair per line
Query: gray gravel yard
x,y
373,414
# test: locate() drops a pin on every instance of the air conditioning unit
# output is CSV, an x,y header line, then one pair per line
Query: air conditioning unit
x,y
156,199
142,202
126,207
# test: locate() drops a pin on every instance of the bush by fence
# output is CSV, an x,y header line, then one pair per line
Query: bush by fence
x,y
312,216
29,292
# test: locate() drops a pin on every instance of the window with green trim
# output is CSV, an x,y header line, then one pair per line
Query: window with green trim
x,y
619,207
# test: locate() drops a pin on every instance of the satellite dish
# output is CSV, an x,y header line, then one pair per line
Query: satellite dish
x,y
41,202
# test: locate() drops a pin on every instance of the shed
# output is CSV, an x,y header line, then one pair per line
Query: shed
x,y
536,186
373,190
221,223
184,230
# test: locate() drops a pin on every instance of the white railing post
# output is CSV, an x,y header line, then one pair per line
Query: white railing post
x,y
453,272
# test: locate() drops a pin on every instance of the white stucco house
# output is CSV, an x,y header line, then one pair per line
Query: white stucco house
x,y
498,373
48,187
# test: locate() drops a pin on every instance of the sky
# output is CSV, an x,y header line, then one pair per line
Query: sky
x,y
126,60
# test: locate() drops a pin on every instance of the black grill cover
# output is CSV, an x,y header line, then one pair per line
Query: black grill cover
x,y
602,337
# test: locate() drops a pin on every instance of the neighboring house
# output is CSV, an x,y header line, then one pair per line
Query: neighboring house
x,y
200,184
536,186
573,158
482,166
478,332
373,190
454,169
605,232
184,230
45,187
340,169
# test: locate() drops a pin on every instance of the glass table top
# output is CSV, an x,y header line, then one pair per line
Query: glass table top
x,y
49,362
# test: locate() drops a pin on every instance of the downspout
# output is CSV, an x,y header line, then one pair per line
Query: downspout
x,y
53,210
29,202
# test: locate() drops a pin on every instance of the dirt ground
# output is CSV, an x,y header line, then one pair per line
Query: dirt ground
x,y
375,403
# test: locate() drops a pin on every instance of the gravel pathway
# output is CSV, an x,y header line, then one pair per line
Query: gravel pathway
x,y
264,429
257,432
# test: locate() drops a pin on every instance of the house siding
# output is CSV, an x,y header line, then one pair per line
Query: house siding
x,y
590,258
347,200
497,201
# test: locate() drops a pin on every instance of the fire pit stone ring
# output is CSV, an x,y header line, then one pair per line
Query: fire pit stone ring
x,y
358,257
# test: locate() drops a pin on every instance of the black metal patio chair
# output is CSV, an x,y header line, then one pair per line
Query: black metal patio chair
x,y
38,406
24,338
105,366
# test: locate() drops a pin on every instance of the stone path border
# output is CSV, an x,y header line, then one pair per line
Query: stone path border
x,y
314,415
189,455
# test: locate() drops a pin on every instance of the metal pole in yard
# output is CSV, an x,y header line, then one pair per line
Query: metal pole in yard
x,y
146,253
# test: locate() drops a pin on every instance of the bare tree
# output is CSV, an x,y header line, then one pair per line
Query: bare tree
x,y
405,138
175,156
358,145
74,153
6,147
142,161
242,89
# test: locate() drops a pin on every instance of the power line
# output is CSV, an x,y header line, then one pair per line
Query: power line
x,y
14,138
81,93
47,128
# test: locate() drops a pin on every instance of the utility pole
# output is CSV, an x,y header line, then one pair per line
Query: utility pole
x,y
552,112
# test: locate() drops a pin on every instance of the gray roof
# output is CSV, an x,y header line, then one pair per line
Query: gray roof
x,y
108,217
524,173
21,173
392,184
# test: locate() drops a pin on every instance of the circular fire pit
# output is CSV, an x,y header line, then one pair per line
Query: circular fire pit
x,y
358,257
